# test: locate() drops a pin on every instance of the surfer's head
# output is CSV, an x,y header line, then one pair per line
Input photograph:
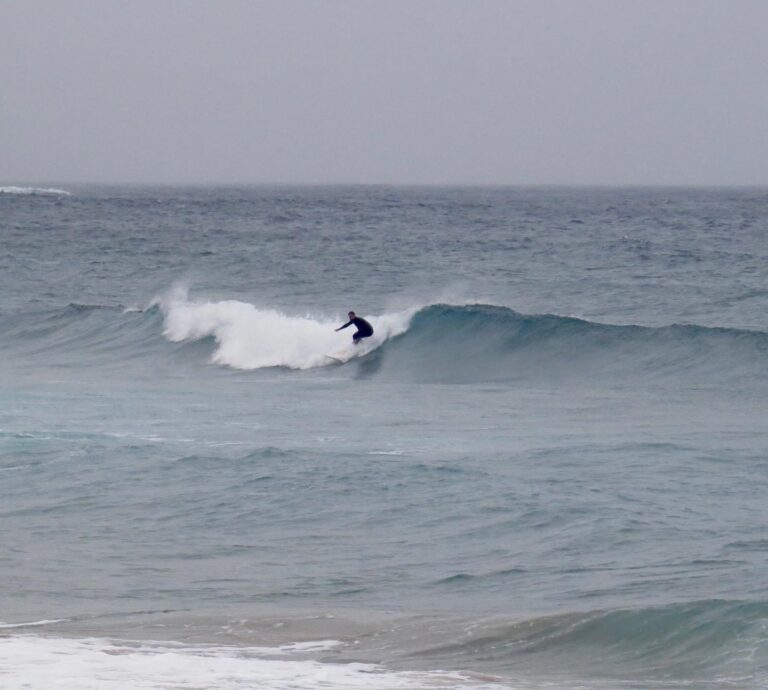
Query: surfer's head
x,y
351,315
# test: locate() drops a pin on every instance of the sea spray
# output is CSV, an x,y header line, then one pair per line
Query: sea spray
x,y
252,338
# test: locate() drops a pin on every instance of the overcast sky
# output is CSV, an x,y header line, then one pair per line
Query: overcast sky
x,y
384,91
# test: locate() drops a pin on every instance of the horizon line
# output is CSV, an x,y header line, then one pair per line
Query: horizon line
x,y
442,185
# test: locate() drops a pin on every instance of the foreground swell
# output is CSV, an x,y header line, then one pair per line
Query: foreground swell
x,y
706,644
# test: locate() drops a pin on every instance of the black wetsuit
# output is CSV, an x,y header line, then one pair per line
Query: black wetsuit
x,y
364,329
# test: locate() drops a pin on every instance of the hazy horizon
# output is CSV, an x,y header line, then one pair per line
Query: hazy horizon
x,y
43,185
431,92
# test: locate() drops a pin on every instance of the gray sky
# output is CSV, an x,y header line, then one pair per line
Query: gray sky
x,y
384,91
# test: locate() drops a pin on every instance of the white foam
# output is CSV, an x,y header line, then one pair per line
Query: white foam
x,y
33,190
97,664
251,338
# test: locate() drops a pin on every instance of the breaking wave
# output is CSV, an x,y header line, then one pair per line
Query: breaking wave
x,y
251,338
437,343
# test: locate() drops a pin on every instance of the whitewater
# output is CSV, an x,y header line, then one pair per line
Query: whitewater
x,y
250,338
547,468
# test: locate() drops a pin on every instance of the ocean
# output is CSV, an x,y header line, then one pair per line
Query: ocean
x,y
547,468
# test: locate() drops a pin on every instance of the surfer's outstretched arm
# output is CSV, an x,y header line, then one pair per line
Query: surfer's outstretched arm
x,y
349,323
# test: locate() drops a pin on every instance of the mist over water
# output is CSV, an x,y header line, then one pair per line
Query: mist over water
x,y
547,468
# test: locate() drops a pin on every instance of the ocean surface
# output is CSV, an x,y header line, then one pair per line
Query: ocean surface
x,y
547,469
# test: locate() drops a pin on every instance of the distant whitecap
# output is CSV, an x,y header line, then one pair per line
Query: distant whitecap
x,y
33,191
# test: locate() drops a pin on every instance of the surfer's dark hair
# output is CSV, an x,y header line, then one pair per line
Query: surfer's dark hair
x,y
351,312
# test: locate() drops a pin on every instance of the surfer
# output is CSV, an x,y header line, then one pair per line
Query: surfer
x,y
364,329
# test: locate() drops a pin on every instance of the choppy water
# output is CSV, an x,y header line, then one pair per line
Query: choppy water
x,y
548,469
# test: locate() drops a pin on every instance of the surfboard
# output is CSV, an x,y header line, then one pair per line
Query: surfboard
x,y
343,356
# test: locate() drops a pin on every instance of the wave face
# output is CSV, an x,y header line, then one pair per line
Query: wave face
x,y
489,343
